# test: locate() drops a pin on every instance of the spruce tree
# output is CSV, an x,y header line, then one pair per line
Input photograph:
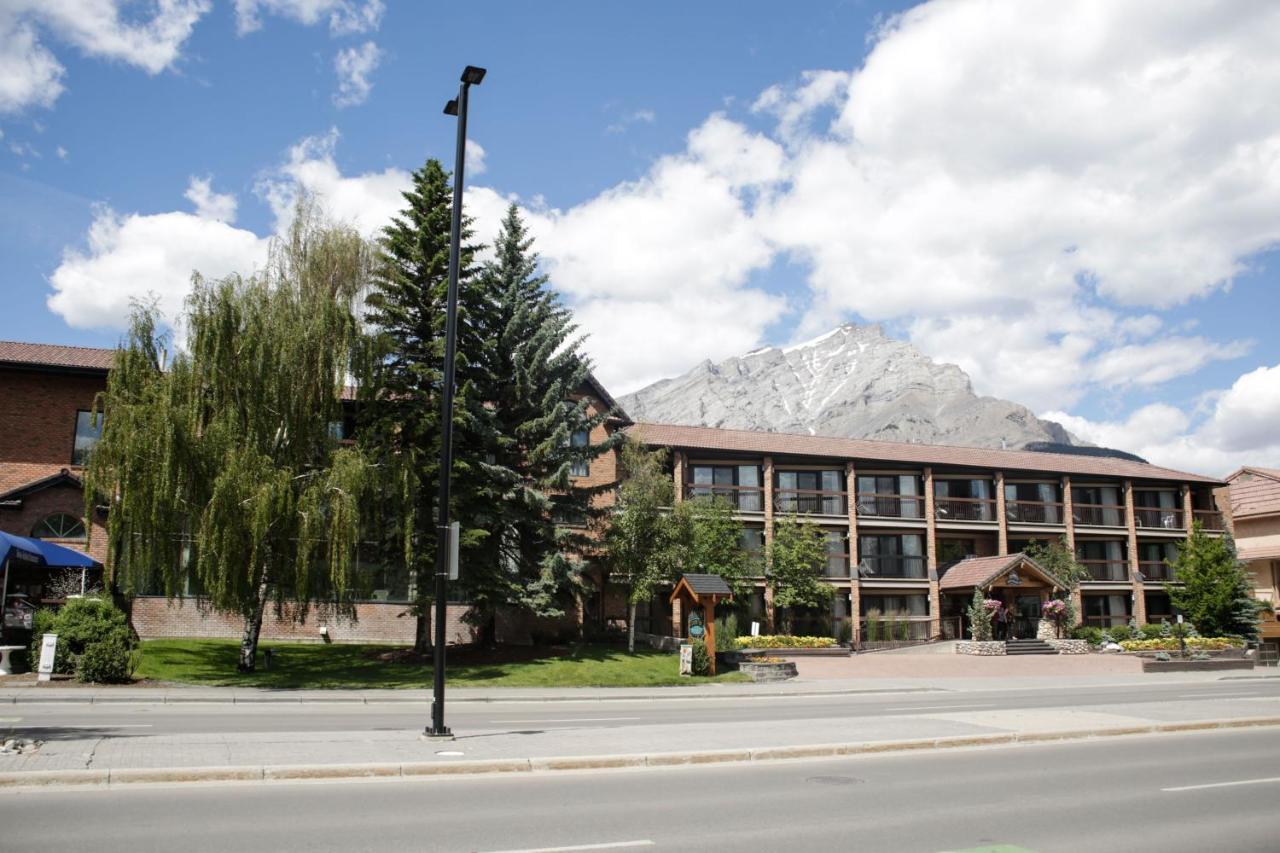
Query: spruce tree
x,y
400,389
219,462
1213,590
530,374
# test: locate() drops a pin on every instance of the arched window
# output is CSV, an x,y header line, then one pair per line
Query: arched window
x,y
60,525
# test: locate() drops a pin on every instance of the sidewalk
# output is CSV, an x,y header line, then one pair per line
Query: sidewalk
x,y
74,756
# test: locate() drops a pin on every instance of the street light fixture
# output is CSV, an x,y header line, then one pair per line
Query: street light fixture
x,y
471,76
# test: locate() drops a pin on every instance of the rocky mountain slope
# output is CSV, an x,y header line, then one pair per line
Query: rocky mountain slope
x,y
853,382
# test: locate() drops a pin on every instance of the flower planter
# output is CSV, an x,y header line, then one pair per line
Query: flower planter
x,y
1196,665
765,672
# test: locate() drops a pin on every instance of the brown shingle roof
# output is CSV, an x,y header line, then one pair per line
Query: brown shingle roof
x,y
709,438
55,355
1255,491
979,571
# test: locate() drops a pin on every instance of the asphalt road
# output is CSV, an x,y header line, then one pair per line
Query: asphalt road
x,y
1206,791
37,721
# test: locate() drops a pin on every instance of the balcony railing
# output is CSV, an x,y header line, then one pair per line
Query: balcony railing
x,y
1033,512
1098,515
837,566
964,509
890,506
810,502
892,629
1155,570
1210,519
1165,518
1106,570
895,567
741,498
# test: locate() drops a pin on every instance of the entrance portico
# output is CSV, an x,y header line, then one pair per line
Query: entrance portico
x,y
1021,584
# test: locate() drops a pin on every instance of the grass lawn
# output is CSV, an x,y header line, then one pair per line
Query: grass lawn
x,y
312,665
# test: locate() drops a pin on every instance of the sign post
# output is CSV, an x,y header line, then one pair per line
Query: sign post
x,y
48,648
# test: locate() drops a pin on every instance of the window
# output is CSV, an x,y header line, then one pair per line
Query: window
x,y
737,484
580,467
1105,560
890,496
1097,505
1033,503
911,605
1106,610
60,525
805,491
893,556
951,550
88,431
837,555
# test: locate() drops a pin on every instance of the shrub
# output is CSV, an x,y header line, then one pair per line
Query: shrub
x,y
727,633
109,660
785,641
1171,644
1120,633
901,627
1088,632
844,632
1151,632
83,623
1163,656
873,626
701,660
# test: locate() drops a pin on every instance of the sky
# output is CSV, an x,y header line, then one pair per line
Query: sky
x,y
1077,202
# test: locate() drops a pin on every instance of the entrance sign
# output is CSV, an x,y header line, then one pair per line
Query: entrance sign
x,y
698,595
48,647
686,659
696,627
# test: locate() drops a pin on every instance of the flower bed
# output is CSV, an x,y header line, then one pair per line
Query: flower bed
x,y
1170,644
782,641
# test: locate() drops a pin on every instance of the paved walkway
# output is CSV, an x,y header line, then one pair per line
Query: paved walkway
x,y
916,666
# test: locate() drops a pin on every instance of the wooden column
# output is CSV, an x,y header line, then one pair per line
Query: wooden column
x,y
931,556
855,582
1069,512
677,620
1002,543
709,625
679,475
1139,599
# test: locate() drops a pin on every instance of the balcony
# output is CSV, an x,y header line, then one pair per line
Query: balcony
x,y
810,502
1155,570
1033,512
1114,571
1210,519
896,567
889,630
741,498
1098,515
1161,518
890,506
964,509
837,566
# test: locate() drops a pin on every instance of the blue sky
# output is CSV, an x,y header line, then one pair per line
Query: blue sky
x,y
1077,205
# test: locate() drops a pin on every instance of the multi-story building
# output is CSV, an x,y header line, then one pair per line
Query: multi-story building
x,y
1255,509
897,517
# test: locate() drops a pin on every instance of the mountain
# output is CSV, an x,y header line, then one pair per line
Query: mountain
x,y
852,382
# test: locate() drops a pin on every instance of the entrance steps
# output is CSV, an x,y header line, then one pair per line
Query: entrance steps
x,y
1028,647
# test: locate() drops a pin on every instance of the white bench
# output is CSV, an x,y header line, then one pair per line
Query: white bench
x,y
6,666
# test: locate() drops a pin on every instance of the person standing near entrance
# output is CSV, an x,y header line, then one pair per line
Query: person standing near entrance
x,y
1002,622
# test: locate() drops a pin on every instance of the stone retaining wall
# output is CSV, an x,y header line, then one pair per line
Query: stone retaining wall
x,y
1070,647
984,648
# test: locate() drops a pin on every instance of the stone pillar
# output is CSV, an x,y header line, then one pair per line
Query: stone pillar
x,y
1069,513
1187,515
679,475
1077,603
931,556
677,620
855,584
1002,544
1139,599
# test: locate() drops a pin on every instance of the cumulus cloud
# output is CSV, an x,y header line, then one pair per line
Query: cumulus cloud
x,y
30,75
354,66
1239,430
146,257
345,17
219,207
475,158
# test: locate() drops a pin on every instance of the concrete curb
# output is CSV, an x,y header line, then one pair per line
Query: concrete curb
x,y
297,772
35,696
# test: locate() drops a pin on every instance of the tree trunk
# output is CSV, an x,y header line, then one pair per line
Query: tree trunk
x,y
631,627
252,630
422,629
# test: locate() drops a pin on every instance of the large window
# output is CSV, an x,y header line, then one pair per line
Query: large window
x,y
752,543
580,467
1155,559
963,500
911,605
1157,508
1033,503
1105,560
1106,611
892,496
837,555
893,556
737,484
951,550
88,431
1097,505
60,525
810,492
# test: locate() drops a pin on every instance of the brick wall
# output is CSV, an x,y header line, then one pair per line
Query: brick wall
x,y
38,413
46,502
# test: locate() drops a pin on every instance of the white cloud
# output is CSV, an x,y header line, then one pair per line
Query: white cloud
x,y
146,257
345,17
219,207
354,66
475,158
1240,429
30,75
635,117
62,153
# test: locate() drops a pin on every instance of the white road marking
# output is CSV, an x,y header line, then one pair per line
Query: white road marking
x,y
942,707
609,845
1224,784
95,726
575,720
1225,696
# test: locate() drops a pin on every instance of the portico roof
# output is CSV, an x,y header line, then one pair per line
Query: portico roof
x,y
981,572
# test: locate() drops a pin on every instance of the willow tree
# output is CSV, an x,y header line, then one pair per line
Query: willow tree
x,y
219,462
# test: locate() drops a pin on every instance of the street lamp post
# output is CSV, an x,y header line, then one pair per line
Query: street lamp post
x,y
471,76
